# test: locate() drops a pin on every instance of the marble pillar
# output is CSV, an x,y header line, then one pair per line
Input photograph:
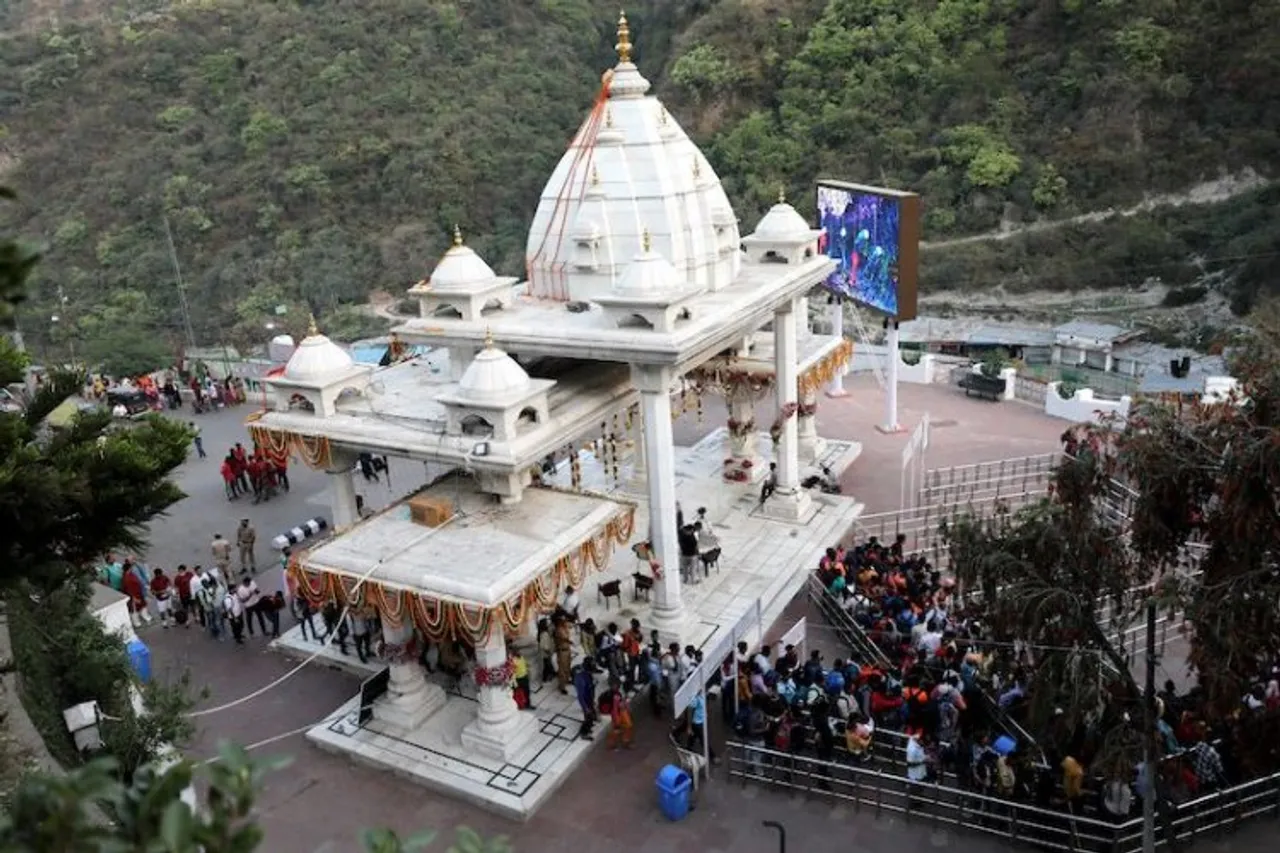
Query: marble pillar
x,y
638,470
835,311
342,489
894,358
654,384
410,699
742,448
789,501
811,445
500,728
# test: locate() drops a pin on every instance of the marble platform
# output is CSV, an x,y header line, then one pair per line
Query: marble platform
x,y
762,558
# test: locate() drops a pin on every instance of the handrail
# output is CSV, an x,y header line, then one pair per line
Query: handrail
x,y
1008,819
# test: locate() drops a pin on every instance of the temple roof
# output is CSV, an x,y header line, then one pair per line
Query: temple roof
x,y
630,163
491,375
317,359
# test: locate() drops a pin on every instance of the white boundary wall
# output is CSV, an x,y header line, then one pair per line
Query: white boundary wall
x,y
1082,407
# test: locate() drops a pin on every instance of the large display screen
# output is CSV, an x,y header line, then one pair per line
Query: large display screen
x,y
874,236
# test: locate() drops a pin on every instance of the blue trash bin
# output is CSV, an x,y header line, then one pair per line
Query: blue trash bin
x,y
674,786
140,658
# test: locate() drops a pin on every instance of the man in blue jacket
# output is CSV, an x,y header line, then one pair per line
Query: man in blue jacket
x,y
584,686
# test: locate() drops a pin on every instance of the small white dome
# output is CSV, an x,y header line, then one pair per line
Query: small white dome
x,y
783,224
649,274
460,268
281,347
316,359
492,375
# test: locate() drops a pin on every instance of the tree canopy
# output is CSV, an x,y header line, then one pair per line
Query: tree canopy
x,y
307,154
1177,506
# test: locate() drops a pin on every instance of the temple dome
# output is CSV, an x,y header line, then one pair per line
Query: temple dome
x,y
631,163
783,224
460,268
492,375
649,274
317,359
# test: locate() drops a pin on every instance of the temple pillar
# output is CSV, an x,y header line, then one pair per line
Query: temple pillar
x,y
654,384
835,311
499,730
342,489
410,698
639,472
743,435
789,501
811,445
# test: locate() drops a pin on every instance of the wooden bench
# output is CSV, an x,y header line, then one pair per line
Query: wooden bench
x,y
983,386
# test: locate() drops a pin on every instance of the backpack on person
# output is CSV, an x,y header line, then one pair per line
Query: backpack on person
x,y
782,737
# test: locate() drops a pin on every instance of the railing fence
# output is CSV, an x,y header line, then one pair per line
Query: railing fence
x,y
945,805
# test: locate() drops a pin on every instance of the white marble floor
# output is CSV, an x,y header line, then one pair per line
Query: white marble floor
x,y
762,558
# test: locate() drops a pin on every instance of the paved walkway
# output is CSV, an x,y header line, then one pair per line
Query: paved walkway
x,y
319,803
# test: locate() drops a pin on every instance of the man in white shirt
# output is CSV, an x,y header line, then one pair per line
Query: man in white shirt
x,y
250,597
235,614
569,603
931,640
762,660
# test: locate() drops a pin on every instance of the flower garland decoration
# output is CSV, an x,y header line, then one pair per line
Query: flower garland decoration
x,y
741,429
575,469
826,368
807,410
494,676
438,620
279,445
787,411
732,383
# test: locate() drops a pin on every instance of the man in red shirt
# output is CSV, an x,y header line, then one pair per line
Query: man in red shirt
x,y
162,591
132,587
182,583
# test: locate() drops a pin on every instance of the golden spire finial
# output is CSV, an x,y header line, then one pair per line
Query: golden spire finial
x,y
646,241
488,337
312,329
624,38
595,176
457,236
782,194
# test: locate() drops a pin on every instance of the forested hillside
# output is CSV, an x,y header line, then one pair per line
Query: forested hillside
x,y
307,153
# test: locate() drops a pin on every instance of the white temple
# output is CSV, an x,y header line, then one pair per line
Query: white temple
x,y
641,295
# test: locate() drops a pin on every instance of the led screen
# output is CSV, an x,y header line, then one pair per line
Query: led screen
x,y
873,235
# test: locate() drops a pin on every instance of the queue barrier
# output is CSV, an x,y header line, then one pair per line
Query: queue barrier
x,y
943,805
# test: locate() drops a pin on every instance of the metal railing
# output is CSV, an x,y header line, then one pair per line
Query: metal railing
x,y
942,805
983,481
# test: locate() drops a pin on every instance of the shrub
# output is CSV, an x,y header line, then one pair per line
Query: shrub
x,y
1176,297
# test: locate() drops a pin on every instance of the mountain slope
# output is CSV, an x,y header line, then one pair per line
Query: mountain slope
x,y
308,153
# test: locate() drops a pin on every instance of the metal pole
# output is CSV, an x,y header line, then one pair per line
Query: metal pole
x,y
1148,737
182,288
782,833
706,723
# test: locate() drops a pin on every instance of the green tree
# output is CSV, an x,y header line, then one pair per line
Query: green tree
x,y
53,814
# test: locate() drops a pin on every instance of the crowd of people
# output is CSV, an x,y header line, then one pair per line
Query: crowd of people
x,y
952,693
245,473
165,389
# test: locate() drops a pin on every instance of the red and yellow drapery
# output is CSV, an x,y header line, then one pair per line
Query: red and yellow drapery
x,y
278,445
441,619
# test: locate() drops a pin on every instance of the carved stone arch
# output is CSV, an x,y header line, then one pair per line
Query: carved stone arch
x,y
474,425
300,403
